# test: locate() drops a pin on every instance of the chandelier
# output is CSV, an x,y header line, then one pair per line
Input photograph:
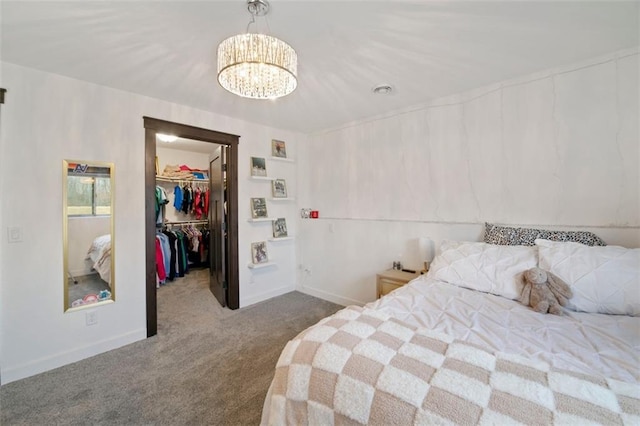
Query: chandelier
x,y
257,66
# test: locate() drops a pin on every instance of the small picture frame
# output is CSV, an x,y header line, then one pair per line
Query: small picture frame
x,y
259,252
280,228
258,166
279,188
258,208
278,149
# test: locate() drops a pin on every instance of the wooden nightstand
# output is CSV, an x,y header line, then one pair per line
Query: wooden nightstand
x,y
392,279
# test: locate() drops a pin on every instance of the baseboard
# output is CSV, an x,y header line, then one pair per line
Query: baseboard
x,y
247,301
68,357
340,300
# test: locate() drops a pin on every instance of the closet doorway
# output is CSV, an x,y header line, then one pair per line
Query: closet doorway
x,y
229,145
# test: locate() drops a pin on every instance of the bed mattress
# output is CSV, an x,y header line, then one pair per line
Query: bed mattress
x,y
593,344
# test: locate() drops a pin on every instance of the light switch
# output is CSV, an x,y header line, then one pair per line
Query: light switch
x,y
14,234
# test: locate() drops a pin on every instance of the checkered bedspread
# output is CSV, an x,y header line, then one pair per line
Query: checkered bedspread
x,y
362,367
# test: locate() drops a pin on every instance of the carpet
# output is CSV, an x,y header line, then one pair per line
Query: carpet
x,y
207,365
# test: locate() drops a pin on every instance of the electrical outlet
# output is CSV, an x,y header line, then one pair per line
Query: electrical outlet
x,y
305,213
91,318
14,234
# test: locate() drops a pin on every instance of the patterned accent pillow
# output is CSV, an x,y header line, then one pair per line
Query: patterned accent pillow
x,y
508,236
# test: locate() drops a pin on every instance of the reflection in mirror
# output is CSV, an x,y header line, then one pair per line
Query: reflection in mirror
x,y
88,237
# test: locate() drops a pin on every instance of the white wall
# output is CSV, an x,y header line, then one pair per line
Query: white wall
x,y
193,159
48,118
557,149
281,253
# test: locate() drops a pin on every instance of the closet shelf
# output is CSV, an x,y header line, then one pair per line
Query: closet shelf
x,y
281,239
172,179
261,219
262,178
283,199
286,160
260,265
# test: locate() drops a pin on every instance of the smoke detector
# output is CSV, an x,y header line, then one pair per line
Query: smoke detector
x,y
382,89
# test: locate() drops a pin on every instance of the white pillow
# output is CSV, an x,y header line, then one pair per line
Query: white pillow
x,y
603,279
495,269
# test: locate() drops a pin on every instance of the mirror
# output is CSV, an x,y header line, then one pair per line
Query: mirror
x,y
88,234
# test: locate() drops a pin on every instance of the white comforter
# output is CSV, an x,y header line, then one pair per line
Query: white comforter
x,y
100,255
606,345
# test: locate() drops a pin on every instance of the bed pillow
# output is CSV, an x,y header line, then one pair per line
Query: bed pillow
x,y
603,279
506,235
484,267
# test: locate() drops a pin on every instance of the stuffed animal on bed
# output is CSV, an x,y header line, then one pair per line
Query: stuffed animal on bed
x,y
544,292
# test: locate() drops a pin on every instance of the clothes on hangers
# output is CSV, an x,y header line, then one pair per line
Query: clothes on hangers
x,y
166,253
187,199
160,263
197,204
180,248
177,197
205,210
182,255
161,202
173,253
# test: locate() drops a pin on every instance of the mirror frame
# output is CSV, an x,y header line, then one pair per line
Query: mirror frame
x,y
65,234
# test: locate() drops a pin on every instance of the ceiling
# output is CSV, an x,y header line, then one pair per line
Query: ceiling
x,y
424,50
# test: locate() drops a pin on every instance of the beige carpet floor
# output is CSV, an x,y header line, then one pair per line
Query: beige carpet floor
x,y
206,366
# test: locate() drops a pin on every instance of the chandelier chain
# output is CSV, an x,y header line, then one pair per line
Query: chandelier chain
x,y
252,21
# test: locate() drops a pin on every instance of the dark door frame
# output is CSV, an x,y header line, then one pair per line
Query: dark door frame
x,y
153,126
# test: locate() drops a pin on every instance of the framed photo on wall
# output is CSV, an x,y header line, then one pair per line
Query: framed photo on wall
x,y
259,252
258,166
279,188
258,208
278,149
280,228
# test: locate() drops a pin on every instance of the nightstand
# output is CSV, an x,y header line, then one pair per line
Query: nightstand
x,y
392,279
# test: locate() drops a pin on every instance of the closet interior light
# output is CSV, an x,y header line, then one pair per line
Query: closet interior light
x,y
166,138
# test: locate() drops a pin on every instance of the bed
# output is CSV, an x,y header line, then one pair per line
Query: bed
x,y
100,255
455,346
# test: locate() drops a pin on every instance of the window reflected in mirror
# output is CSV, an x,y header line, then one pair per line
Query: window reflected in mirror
x,y
88,234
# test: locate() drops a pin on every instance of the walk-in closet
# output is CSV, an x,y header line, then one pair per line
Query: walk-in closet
x,y
190,213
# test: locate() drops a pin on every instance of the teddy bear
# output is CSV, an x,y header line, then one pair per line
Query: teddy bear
x,y
544,292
